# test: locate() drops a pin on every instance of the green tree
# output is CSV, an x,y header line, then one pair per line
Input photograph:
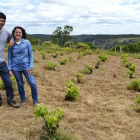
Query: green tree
x,y
62,36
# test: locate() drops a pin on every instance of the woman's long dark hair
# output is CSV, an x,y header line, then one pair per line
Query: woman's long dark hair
x,y
24,34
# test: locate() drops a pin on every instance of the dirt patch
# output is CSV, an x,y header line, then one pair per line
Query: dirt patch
x,y
104,110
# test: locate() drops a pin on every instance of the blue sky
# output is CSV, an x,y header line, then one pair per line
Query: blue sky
x,y
86,16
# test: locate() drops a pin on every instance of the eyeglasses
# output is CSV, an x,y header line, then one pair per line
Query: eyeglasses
x,y
2,20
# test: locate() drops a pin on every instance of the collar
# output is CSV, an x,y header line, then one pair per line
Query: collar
x,y
22,40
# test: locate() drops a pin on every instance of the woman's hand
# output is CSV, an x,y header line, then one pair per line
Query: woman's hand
x,y
10,73
30,72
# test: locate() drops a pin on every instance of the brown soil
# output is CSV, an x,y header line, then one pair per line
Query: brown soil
x,y
104,110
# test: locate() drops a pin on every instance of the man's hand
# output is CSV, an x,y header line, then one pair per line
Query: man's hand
x,y
11,44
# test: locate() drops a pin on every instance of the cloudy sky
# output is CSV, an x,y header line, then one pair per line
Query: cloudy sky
x,y
86,16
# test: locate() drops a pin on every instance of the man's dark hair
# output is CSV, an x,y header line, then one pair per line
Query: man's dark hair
x,y
24,34
2,16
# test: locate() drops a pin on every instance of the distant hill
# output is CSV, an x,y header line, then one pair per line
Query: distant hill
x,y
100,41
42,37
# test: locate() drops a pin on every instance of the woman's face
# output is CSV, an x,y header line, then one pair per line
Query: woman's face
x,y
18,34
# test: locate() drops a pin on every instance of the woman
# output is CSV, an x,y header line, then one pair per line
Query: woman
x,y
20,60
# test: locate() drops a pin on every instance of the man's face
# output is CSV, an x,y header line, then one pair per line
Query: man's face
x,y
2,23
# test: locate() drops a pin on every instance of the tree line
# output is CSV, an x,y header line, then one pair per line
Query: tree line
x,y
130,48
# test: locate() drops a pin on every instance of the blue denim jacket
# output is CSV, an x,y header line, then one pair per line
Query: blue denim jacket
x,y
20,57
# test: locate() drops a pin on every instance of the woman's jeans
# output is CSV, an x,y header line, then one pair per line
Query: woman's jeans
x,y
20,83
4,73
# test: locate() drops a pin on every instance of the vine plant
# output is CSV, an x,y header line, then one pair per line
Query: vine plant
x,y
90,68
63,62
72,92
51,119
103,57
78,76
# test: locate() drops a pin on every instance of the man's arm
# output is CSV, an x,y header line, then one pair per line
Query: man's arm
x,y
10,40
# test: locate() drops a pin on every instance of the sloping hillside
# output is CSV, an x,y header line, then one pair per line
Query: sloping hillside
x,y
109,43
104,110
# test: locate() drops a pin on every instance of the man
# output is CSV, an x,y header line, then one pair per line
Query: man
x,y
4,38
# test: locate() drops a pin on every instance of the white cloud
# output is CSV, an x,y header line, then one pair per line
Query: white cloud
x,y
86,17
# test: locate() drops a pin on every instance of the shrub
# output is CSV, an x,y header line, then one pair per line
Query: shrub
x,y
85,71
124,58
82,46
103,57
50,66
78,76
47,44
69,44
90,68
72,92
134,85
55,55
51,119
131,70
63,62
80,55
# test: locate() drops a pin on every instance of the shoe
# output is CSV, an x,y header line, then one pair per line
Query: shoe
x,y
23,103
1,103
13,104
35,104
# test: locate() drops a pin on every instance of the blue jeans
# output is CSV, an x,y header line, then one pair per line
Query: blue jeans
x,y
20,83
4,73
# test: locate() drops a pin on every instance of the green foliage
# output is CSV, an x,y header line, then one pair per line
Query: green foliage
x,y
63,136
124,57
91,46
82,46
78,76
51,118
132,67
6,49
14,83
63,62
36,60
2,86
55,55
34,41
35,72
70,58
85,71
62,36
80,54
43,54
51,66
72,91
134,85
90,67
99,61
138,56
61,53
47,44
138,99
69,44
103,57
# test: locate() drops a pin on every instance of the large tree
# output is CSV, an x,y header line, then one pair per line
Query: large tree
x,y
62,36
